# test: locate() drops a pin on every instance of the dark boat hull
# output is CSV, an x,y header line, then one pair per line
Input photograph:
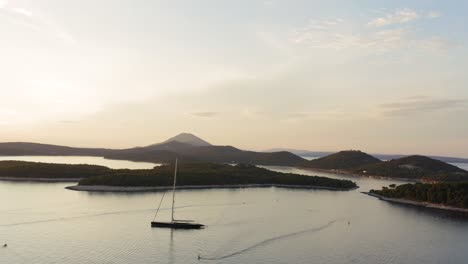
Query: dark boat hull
x,y
177,225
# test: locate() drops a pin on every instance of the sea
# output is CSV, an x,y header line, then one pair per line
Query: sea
x,y
44,223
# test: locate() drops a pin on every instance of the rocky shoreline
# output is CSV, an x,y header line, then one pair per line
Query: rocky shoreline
x,y
351,174
19,179
103,188
419,204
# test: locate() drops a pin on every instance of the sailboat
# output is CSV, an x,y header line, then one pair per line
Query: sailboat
x,y
175,224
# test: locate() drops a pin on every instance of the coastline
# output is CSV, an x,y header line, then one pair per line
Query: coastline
x,y
104,188
351,174
419,204
51,180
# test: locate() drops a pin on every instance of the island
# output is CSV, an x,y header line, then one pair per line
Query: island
x,y
191,175
445,196
413,168
343,160
205,175
185,146
39,171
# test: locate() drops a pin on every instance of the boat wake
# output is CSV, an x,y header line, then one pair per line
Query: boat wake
x,y
271,240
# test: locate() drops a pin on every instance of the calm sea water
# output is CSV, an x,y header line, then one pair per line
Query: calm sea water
x,y
44,223
462,165
114,164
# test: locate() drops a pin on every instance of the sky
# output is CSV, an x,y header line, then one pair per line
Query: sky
x,y
324,75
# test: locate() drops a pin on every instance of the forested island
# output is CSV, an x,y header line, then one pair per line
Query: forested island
x,y
210,174
415,167
190,174
10,169
343,160
437,195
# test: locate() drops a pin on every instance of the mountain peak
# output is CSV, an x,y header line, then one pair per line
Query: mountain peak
x,y
190,139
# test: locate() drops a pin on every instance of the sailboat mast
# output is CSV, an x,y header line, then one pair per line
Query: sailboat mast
x,y
173,190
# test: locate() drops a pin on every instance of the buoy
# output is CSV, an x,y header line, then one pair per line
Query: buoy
x,y
5,245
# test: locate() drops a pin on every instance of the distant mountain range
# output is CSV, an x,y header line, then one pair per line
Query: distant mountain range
x,y
189,148
318,154
186,147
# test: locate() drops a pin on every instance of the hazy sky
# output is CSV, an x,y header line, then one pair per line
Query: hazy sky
x,y
380,76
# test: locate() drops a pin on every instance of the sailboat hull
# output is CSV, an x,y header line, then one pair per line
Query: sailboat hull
x,y
177,225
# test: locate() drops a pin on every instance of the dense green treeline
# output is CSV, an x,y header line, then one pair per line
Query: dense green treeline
x,y
25,169
411,167
211,174
452,194
189,174
343,160
415,167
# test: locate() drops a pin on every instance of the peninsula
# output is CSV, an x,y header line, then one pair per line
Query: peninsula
x,y
39,171
191,175
206,175
446,196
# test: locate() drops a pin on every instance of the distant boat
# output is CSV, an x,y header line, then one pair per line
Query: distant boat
x,y
175,224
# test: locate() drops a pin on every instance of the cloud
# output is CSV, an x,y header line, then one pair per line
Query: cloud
x,y
421,104
402,38
335,35
35,21
433,14
204,114
398,17
402,16
22,11
320,32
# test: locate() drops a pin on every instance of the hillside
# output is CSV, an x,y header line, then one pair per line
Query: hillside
x,y
34,149
187,147
413,167
315,154
343,160
167,152
449,194
441,158
24,169
205,174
